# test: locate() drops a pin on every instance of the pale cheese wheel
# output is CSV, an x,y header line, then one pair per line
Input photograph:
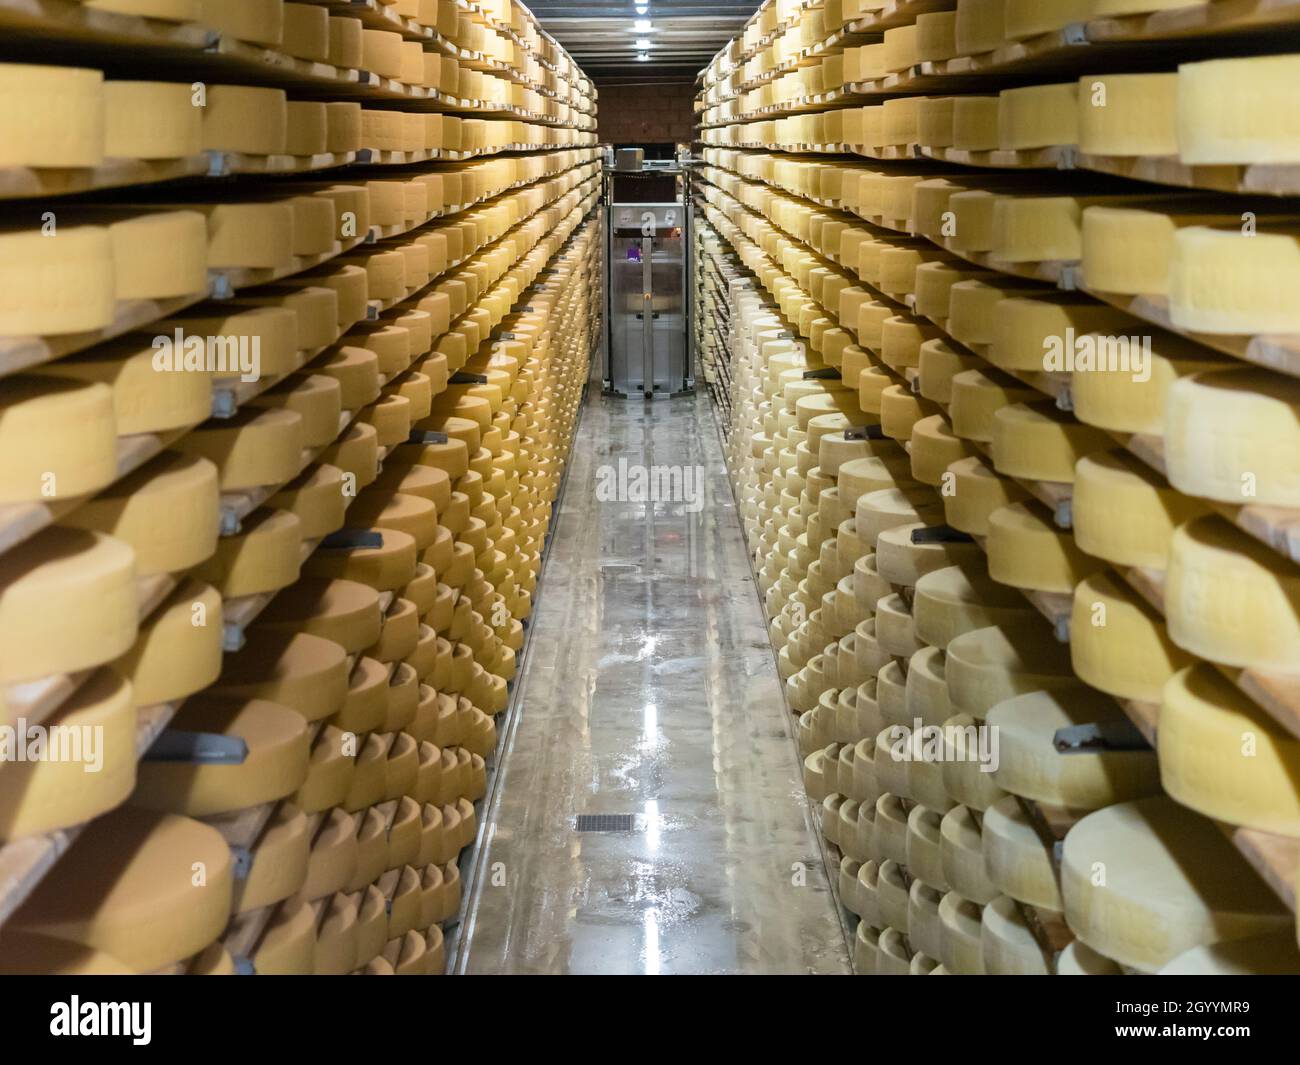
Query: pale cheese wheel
x,y
961,598
978,396
1040,442
306,32
1038,116
1238,111
1008,946
959,935
1229,435
976,491
279,861
345,45
1053,332
151,120
961,852
1080,960
1016,858
986,666
1118,644
307,126
68,601
1267,955
1223,756
51,116
1028,550
1233,280
1173,882
1230,598
127,888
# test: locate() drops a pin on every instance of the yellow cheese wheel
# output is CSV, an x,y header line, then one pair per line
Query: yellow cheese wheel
x,y
317,498
151,120
960,598
306,32
56,284
79,763
1229,280
298,670
387,567
1042,443
68,601
255,21
254,448
1128,114
1008,946
978,396
1015,857
988,665
178,651
244,118
279,861
1211,126
25,954
264,556
275,765
346,612
288,945
147,888
345,48
51,116
1038,116
1028,550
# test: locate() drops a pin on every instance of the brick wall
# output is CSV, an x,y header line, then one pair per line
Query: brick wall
x,y
647,114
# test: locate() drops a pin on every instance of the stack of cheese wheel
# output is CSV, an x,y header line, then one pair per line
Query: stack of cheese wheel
x,y
275,549
945,462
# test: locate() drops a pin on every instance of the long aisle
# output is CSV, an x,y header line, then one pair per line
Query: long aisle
x,y
649,690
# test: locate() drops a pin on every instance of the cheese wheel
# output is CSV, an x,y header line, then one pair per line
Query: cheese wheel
x,y
935,121
1016,859
961,853
959,935
316,398
978,395
255,21
936,36
1124,512
985,666
279,861
1211,131
1041,443
1230,280
903,561
25,954
1228,434
264,556
145,398
298,670
973,492
68,601
1007,943
1079,960
971,303
244,118
1118,644
55,285
1226,758
345,47
962,598
252,449
316,497
269,332
288,945
381,52
346,612
1172,882
975,123
151,120
128,888
66,781
1128,114
1030,18
51,116
386,568
1052,332
1027,550
167,512
1038,116
1230,598
179,648
343,123
274,767
306,32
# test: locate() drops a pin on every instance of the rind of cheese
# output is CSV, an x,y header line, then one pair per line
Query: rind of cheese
x,y
1015,858
1033,333
127,888
69,785
1030,766
1230,435
959,935
255,21
962,854
988,665
1223,756
264,556
974,492
978,396
252,449
1007,943
1173,882
244,118
961,598
1230,598
301,671
68,601
1042,443
975,123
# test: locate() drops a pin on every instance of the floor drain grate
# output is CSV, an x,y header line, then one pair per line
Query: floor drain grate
x,y
604,823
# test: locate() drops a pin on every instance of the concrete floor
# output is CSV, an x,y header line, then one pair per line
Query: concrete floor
x,y
649,689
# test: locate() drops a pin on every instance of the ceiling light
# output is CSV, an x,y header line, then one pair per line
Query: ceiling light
x,y
643,57
643,42
642,25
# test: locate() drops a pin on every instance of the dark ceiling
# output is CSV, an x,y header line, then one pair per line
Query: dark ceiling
x,y
599,34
